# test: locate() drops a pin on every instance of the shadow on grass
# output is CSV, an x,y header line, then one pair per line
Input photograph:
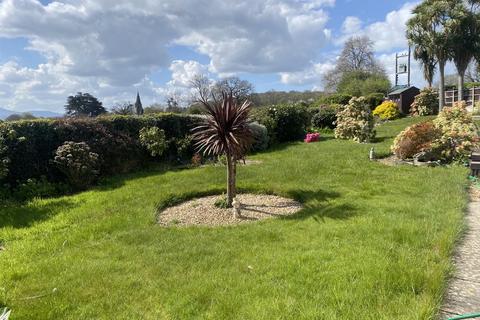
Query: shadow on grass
x,y
24,215
316,203
318,206
382,139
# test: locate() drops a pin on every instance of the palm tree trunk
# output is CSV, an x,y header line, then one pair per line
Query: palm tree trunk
x,y
441,91
231,172
461,81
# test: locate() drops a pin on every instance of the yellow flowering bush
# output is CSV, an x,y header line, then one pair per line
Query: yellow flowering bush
x,y
388,110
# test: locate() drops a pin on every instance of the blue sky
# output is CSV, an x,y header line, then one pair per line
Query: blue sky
x,y
111,48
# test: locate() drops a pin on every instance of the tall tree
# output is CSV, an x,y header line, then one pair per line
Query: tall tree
x,y
205,90
357,57
430,27
124,109
138,106
465,32
84,105
240,90
225,131
428,62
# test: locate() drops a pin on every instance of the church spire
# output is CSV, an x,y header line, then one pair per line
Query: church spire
x,y
138,105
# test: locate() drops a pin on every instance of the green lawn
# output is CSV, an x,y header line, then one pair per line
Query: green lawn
x,y
374,242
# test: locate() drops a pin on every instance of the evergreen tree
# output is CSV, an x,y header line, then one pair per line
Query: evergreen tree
x,y
84,104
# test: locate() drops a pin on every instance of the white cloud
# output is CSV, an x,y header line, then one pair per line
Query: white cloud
x,y
386,35
184,71
351,25
312,75
107,45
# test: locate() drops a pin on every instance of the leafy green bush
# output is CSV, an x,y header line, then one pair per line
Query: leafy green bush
x,y
284,122
260,136
388,110
425,103
325,117
374,99
29,146
153,139
185,148
459,133
414,139
41,188
452,136
336,98
77,163
355,121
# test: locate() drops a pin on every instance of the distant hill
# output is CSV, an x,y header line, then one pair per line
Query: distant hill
x,y
4,113
279,97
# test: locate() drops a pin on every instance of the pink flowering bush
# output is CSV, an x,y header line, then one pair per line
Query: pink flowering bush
x,y
312,137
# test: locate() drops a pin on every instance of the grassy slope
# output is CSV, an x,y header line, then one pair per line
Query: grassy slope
x,y
373,243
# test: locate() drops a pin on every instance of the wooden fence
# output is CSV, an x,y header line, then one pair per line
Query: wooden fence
x,y
471,96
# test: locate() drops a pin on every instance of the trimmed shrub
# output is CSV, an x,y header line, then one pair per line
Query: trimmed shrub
x,y
414,139
153,139
37,188
185,148
388,110
29,146
336,98
425,103
260,136
325,117
459,133
355,121
77,163
374,99
284,122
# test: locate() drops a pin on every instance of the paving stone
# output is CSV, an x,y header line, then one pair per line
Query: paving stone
x,y
463,293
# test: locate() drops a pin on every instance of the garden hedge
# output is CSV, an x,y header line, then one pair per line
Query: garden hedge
x,y
27,148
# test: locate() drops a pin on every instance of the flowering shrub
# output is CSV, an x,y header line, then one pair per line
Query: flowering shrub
x,y
452,136
312,137
459,133
153,139
415,139
355,121
425,104
388,110
77,163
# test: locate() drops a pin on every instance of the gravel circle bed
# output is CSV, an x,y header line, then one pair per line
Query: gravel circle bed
x,y
203,212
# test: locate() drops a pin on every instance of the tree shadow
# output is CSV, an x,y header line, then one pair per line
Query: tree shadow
x,y
24,215
317,205
382,139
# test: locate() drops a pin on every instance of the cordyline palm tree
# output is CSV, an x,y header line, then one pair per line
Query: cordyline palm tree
x,y
225,131
428,62
430,27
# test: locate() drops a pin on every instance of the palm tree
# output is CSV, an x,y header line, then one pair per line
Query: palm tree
x,y
465,32
428,62
430,28
225,131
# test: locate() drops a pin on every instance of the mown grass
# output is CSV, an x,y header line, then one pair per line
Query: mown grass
x,y
374,242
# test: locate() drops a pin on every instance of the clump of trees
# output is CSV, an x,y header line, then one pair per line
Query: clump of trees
x,y
442,31
357,71
84,105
